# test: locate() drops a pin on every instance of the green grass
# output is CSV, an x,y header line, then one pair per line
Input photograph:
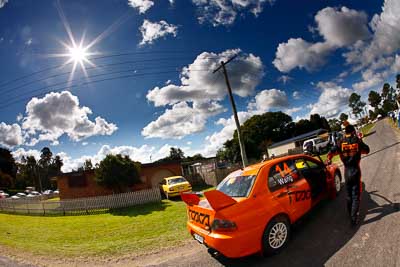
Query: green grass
x,y
53,199
367,128
335,159
133,230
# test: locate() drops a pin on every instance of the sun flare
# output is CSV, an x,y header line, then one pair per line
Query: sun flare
x,y
78,54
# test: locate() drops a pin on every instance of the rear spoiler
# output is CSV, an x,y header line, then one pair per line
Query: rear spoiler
x,y
216,199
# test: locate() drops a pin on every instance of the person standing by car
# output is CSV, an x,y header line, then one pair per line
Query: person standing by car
x,y
350,149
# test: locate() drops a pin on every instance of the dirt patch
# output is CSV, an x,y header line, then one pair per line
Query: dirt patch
x,y
150,258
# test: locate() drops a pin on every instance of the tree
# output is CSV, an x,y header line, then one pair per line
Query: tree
x,y
343,117
44,164
335,124
56,165
117,173
374,99
87,165
356,104
319,122
194,158
176,153
7,163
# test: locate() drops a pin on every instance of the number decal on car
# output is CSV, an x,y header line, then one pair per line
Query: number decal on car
x,y
302,195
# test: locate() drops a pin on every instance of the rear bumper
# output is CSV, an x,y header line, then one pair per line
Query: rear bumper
x,y
232,245
177,193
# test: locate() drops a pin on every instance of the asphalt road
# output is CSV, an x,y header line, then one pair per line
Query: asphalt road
x,y
325,237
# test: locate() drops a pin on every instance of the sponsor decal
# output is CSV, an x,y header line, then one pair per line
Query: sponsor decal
x,y
285,180
302,195
199,217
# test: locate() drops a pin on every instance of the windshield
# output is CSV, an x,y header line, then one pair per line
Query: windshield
x,y
237,186
176,181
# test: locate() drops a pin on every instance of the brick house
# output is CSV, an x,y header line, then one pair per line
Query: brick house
x,y
83,184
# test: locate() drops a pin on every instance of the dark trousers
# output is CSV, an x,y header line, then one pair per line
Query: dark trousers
x,y
354,190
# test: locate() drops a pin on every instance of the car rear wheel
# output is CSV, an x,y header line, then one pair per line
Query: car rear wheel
x,y
338,183
276,235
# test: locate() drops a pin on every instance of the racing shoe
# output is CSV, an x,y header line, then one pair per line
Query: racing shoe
x,y
354,221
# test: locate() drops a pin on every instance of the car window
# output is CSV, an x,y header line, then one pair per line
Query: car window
x,y
308,143
237,186
176,181
313,165
300,164
282,174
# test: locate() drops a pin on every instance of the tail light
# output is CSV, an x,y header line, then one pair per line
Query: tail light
x,y
223,225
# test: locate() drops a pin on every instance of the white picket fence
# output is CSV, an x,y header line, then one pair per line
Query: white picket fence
x,y
79,206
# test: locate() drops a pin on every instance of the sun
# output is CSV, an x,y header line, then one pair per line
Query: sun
x,y
78,54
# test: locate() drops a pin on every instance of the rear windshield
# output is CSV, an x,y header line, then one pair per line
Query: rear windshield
x,y
176,180
237,186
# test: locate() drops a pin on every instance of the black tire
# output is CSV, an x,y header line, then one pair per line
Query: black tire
x,y
276,236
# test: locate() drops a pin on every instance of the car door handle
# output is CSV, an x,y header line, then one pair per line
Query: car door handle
x,y
282,194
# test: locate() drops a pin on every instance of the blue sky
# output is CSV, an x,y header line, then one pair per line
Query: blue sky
x,y
300,57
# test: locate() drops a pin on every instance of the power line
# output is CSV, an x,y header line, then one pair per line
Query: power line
x,y
86,83
81,79
68,72
93,58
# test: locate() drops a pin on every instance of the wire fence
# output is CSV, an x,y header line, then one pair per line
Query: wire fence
x,y
81,206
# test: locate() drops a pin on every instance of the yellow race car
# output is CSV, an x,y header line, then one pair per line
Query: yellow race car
x,y
174,185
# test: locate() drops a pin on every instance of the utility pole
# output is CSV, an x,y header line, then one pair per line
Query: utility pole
x,y
228,85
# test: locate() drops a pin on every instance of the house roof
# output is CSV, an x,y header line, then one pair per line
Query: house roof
x,y
299,138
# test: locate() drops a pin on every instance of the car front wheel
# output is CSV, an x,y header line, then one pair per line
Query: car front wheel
x,y
276,235
338,183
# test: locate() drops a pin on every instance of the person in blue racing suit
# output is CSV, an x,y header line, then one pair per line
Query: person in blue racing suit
x,y
350,149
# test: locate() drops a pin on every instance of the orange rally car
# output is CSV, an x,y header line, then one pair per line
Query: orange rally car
x,y
252,209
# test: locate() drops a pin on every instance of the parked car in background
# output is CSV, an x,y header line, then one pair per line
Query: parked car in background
x,y
56,192
34,194
48,192
4,195
318,145
20,195
174,185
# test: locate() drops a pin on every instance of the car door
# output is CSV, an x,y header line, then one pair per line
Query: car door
x,y
289,188
314,173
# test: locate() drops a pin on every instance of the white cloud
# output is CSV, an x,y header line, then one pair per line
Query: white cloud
x,y
182,120
268,99
332,100
217,139
143,154
21,152
10,135
199,83
224,12
386,38
342,27
196,99
370,79
301,54
59,113
284,79
339,27
296,95
3,3
141,5
154,30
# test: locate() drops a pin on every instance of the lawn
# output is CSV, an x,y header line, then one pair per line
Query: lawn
x,y
367,128
133,230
